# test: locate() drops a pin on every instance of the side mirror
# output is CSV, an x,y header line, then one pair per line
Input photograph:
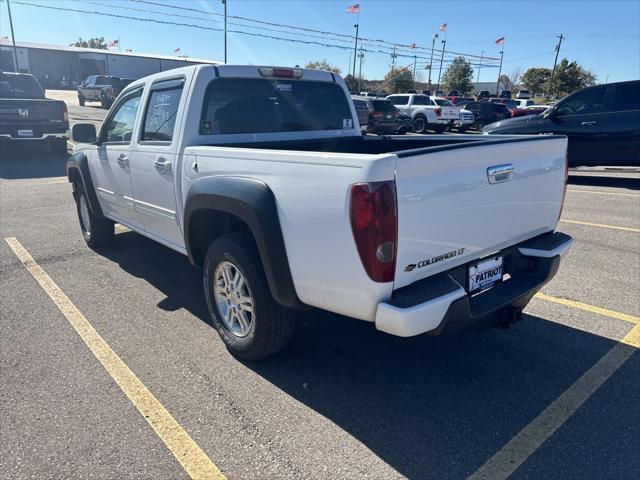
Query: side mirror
x,y
84,133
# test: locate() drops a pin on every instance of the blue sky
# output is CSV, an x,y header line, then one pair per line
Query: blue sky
x,y
604,36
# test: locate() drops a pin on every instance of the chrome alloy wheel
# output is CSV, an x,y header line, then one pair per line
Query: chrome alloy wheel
x,y
84,215
233,298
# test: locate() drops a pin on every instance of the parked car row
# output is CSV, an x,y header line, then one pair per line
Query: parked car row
x,y
101,88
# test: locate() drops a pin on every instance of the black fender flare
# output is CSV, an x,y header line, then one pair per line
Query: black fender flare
x,y
78,167
253,202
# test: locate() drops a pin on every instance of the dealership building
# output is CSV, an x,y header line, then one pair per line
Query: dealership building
x,y
56,66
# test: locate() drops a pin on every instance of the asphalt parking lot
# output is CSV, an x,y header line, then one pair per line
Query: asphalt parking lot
x,y
555,396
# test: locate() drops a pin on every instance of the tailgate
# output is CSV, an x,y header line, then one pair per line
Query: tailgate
x,y
28,111
449,213
450,113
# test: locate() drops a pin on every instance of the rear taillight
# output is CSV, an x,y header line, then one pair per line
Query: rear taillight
x,y
374,224
65,113
438,111
566,180
377,114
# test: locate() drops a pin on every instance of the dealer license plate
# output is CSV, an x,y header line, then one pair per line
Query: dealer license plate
x,y
25,133
485,273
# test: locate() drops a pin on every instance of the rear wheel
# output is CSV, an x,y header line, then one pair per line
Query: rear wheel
x,y
250,322
420,124
96,231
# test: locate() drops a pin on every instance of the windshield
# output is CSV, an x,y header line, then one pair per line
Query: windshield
x,y
20,86
254,105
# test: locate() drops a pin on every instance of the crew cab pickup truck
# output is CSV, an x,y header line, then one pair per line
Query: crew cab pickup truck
x,y
101,88
27,116
426,112
261,177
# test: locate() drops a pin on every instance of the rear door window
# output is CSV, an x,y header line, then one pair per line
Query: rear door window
x,y
399,99
256,105
626,97
162,108
421,100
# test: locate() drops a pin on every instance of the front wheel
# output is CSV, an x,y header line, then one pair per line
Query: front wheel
x,y
250,322
479,125
462,129
96,231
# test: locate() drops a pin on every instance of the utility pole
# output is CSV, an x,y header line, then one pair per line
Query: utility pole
x,y
479,67
360,70
415,58
433,44
355,49
13,37
555,62
499,72
444,44
393,58
224,2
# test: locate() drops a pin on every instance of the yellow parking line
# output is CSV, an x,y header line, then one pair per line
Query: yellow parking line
x,y
531,437
602,225
195,462
589,308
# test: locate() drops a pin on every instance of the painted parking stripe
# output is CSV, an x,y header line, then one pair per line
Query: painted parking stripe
x,y
195,462
589,308
602,225
594,192
531,437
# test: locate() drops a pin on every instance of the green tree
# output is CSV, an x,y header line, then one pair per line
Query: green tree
x,y
535,79
399,80
569,77
95,42
458,76
323,65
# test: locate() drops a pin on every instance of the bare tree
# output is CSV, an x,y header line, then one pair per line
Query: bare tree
x,y
515,77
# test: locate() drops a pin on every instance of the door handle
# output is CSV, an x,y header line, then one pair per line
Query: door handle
x,y
123,160
589,124
162,165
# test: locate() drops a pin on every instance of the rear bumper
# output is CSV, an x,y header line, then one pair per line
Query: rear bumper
x,y
441,304
40,131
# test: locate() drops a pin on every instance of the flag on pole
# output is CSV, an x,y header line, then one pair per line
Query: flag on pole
x,y
353,8
113,43
176,50
443,27
500,41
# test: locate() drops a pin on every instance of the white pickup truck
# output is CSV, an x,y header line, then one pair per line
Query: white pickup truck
x,y
260,176
426,112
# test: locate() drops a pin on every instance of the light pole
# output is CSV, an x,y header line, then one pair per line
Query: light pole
x,y
415,58
433,44
555,62
444,44
361,55
13,37
355,51
224,2
479,67
499,72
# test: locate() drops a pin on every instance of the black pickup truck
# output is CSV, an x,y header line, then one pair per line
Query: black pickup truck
x,y
101,88
27,116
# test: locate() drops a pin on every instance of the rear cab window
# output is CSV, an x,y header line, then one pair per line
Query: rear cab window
x,y
20,86
382,106
261,105
443,102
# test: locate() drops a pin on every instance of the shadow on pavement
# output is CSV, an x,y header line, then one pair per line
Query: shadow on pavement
x,y
605,181
430,407
32,160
